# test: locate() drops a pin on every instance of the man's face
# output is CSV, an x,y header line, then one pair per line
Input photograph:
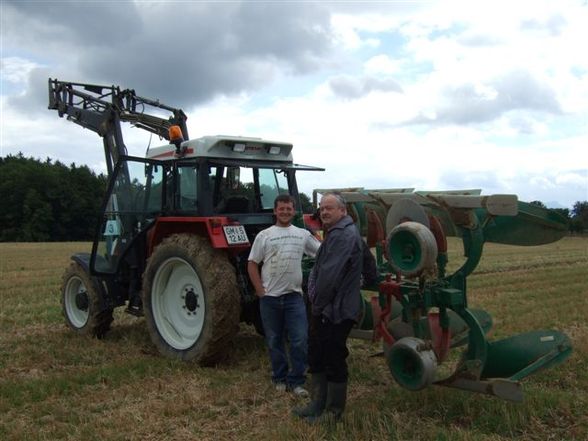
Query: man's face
x,y
284,212
330,210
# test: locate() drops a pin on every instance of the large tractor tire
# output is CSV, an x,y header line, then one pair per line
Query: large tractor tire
x,y
191,300
81,303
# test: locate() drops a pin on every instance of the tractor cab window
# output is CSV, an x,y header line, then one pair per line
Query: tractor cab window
x,y
271,183
233,189
245,189
187,180
136,197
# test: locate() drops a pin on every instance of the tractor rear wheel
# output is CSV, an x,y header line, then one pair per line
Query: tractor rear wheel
x,y
191,300
80,302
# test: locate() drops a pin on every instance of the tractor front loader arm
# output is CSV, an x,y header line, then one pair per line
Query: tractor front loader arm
x,y
103,108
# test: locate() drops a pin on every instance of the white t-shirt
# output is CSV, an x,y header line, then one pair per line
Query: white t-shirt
x,y
281,249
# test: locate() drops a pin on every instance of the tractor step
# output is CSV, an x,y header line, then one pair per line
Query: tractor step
x,y
137,311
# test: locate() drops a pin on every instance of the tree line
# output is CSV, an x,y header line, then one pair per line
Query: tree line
x,y
577,217
44,201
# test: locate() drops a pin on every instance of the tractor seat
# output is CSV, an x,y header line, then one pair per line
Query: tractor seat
x,y
234,204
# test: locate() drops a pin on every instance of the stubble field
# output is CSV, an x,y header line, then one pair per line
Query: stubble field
x,y
57,385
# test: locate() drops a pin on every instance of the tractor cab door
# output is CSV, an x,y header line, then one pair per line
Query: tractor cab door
x,y
137,194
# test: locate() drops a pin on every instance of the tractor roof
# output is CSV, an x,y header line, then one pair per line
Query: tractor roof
x,y
227,147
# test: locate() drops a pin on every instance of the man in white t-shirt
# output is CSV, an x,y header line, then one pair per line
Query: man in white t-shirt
x,y
280,248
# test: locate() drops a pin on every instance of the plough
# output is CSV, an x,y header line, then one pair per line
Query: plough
x,y
419,310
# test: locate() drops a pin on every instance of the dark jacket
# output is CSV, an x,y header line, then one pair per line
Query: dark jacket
x,y
336,273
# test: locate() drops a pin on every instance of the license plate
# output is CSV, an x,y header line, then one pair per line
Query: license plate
x,y
235,234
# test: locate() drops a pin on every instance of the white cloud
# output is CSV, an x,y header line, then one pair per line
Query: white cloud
x,y
500,89
382,64
16,69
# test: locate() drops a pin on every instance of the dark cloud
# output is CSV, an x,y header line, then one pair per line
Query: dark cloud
x,y
35,100
467,104
182,53
38,24
352,88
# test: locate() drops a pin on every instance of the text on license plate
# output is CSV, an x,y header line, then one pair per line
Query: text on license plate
x,y
235,234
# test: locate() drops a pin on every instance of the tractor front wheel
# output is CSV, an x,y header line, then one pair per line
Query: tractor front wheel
x,y
80,302
190,299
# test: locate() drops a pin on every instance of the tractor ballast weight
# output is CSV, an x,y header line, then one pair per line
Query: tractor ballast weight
x,y
421,313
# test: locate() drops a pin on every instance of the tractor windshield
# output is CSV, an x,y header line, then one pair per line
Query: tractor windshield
x,y
238,189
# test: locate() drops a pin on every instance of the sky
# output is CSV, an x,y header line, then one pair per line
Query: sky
x,y
431,95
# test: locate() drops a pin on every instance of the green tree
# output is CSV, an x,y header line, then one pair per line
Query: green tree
x,y
306,204
37,218
48,201
564,212
579,222
538,203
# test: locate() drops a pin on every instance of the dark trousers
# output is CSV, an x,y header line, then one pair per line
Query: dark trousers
x,y
327,348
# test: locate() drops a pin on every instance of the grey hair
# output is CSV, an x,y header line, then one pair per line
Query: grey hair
x,y
341,202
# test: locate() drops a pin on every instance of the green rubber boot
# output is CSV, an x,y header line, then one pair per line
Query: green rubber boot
x,y
318,397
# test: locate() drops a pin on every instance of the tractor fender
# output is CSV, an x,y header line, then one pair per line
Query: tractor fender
x,y
83,259
210,227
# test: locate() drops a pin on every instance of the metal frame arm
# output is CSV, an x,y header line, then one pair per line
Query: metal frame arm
x,y
102,108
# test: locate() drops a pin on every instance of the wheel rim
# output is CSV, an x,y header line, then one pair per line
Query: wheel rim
x,y
177,303
412,364
75,288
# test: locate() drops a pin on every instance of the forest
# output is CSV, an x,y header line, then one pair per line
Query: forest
x,y
48,201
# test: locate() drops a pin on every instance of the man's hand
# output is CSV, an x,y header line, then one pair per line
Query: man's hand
x,y
253,270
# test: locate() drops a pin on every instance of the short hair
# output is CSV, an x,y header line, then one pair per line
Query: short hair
x,y
285,199
341,202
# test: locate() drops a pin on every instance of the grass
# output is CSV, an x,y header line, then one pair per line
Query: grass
x,y
57,385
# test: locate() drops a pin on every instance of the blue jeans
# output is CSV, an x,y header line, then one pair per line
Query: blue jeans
x,y
284,318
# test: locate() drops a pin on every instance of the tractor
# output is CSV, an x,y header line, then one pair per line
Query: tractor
x,y
176,227
178,224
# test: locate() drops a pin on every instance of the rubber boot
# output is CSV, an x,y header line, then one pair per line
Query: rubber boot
x,y
335,405
318,397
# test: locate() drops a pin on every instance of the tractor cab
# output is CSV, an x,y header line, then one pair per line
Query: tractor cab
x,y
221,189
236,177
216,180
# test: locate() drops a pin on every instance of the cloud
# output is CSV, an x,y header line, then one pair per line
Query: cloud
x,y
552,186
473,103
15,69
552,25
381,94
348,87
183,55
34,99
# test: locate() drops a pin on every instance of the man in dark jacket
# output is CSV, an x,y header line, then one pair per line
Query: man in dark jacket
x,y
334,294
